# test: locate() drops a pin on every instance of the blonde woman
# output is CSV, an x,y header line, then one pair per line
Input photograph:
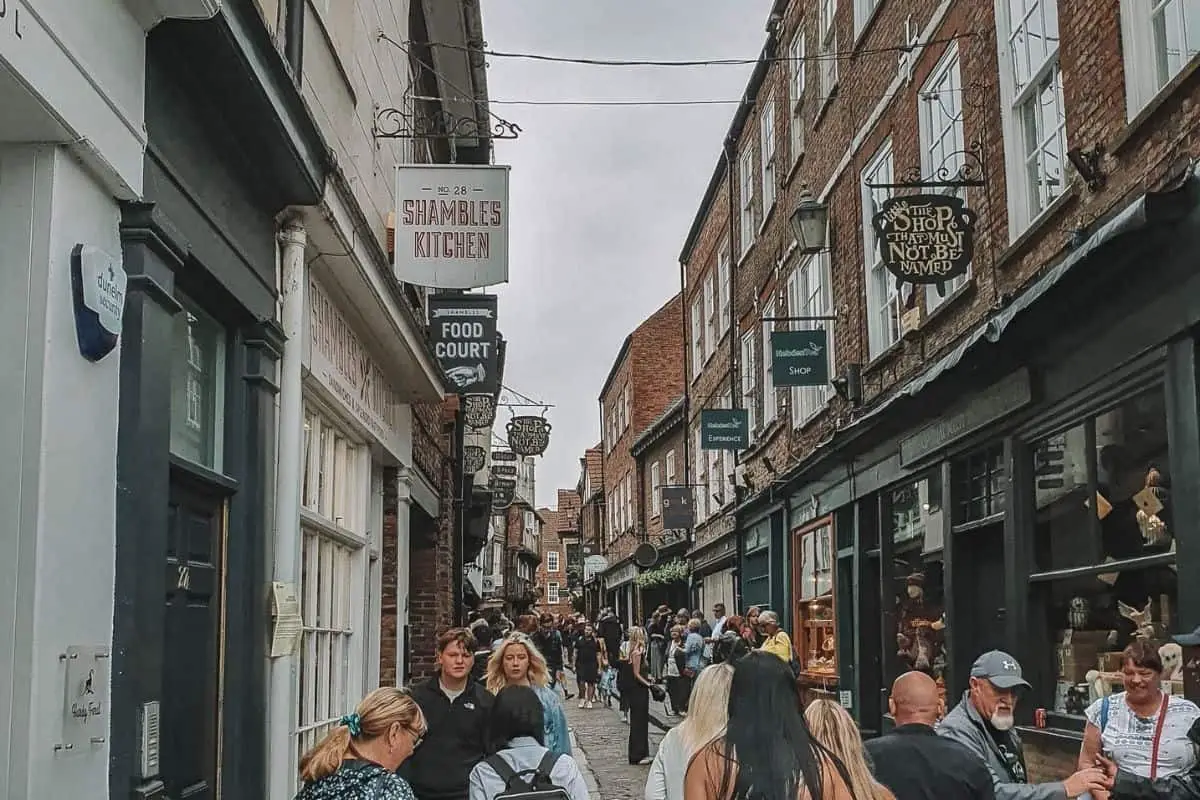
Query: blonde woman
x,y
360,756
517,662
637,692
834,728
710,712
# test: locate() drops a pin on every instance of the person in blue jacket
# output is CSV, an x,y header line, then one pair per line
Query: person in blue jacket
x,y
516,661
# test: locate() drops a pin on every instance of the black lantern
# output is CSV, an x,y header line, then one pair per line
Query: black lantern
x,y
810,223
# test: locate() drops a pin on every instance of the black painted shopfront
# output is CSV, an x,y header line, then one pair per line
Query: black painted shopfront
x,y
196,442
1025,493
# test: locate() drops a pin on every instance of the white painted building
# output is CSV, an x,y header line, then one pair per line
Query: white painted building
x,y
72,143
355,361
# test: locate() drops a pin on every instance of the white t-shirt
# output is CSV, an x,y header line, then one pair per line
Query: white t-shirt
x,y
1127,738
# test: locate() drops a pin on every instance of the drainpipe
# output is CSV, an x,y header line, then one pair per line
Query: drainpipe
x,y
293,37
282,706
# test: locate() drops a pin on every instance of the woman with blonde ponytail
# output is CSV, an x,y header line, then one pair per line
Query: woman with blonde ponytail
x,y
358,759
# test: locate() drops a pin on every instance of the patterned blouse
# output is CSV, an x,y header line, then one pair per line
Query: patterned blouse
x,y
358,780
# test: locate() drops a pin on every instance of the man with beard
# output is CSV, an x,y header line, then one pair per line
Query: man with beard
x,y
983,722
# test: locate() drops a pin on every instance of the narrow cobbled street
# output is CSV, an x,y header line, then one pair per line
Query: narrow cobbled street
x,y
602,737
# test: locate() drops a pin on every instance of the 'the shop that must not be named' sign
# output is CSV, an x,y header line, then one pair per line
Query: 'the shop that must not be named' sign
x,y
925,238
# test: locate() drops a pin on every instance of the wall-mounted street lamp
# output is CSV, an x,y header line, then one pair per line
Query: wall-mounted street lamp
x,y
810,223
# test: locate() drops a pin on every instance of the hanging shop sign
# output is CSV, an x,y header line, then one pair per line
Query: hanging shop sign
x,y
677,508
593,566
474,457
724,429
462,328
645,555
504,491
503,455
925,238
98,283
528,436
800,358
451,225
479,410
507,470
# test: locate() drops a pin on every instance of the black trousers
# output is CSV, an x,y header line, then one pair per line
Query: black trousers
x,y
639,722
677,690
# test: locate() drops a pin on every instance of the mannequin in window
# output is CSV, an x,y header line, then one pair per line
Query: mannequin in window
x,y
920,639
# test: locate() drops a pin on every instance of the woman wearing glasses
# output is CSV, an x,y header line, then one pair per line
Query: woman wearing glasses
x,y
517,662
360,756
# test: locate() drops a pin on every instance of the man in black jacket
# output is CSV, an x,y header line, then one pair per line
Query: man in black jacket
x,y
913,761
456,712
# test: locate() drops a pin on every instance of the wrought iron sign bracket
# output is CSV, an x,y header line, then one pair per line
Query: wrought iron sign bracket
x,y
397,123
971,173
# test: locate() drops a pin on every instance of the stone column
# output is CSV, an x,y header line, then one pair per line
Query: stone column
x,y
403,569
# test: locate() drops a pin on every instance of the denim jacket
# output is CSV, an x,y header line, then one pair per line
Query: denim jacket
x,y
693,647
558,739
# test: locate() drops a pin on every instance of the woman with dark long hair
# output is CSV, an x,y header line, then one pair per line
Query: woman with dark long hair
x,y
753,761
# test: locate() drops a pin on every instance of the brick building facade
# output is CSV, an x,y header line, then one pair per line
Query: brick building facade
x,y
947,410
645,378
553,594
659,454
591,523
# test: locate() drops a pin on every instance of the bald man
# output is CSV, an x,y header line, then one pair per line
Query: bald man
x,y
913,761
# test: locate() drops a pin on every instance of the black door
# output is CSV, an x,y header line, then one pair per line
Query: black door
x,y
195,533
979,614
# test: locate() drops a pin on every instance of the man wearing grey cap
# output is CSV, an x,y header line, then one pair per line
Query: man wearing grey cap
x,y
983,722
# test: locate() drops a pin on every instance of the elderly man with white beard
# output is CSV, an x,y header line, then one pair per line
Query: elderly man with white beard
x,y
983,721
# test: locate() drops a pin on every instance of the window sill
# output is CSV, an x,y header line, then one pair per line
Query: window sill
x,y
793,170
814,416
1156,103
884,355
1063,735
954,299
746,254
862,30
1037,226
767,217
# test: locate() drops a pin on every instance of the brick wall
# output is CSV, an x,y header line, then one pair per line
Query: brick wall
x,y
842,135
554,523
671,441
434,558
390,569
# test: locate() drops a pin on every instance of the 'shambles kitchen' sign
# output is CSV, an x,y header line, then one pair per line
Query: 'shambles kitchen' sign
x,y
451,225
925,238
462,328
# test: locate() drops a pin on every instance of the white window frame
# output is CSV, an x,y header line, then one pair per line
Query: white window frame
x,y
746,173
943,143
1149,67
827,47
767,149
796,85
770,404
863,10
1028,197
552,561
710,314
552,593
810,294
748,378
698,351
655,482
700,468
670,468
630,516
884,302
336,610
724,287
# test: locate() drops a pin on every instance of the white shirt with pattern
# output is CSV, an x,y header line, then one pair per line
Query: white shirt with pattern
x,y
1127,738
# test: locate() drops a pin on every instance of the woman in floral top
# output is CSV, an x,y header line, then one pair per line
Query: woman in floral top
x,y
358,759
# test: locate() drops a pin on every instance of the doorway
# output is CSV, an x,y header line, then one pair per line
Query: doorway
x,y
196,524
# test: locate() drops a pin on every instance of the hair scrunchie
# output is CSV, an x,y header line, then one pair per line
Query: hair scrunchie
x,y
354,723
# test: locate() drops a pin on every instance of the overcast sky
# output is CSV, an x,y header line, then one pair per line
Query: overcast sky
x,y
602,197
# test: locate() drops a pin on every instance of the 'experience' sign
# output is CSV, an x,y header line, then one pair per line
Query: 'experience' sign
x,y
724,429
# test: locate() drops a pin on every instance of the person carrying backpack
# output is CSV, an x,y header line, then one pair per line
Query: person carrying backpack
x,y
521,767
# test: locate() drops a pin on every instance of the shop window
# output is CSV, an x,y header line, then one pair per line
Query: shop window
x,y
1102,488
756,567
979,481
916,526
1104,546
815,638
335,479
197,387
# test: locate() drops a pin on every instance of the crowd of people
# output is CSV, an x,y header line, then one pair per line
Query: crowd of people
x,y
491,723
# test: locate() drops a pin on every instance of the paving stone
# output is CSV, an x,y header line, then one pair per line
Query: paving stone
x,y
603,740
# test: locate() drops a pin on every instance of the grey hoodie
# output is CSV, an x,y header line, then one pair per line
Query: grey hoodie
x,y
964,725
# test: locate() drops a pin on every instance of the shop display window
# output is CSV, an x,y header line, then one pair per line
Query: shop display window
x,y
917,533
815,638
1104,547
979,481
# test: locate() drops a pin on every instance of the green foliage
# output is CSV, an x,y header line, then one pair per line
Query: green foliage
x,y
674,571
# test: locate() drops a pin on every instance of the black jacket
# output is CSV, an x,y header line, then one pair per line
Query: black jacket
x,y
456,740
917,764
611,631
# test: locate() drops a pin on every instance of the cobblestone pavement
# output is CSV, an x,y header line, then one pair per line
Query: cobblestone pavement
x,y
603,739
